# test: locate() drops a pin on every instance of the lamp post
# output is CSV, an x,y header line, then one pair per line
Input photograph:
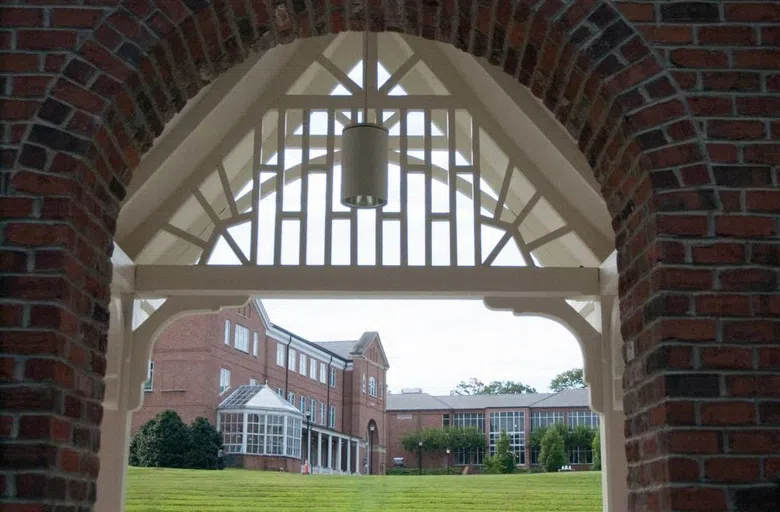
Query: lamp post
x,y
370,455
308,437
419,456
448,461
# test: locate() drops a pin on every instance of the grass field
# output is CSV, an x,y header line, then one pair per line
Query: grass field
x,y
186,490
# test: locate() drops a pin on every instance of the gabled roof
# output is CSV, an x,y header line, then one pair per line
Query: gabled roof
x,y
424,401
348,349
260,398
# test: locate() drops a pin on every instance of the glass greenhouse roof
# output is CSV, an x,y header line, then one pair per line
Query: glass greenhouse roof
x,y
257,397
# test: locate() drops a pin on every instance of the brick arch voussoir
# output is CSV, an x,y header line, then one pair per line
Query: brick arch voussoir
x,y
589,66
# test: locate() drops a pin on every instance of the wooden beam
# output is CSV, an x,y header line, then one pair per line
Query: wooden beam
x,y
359,281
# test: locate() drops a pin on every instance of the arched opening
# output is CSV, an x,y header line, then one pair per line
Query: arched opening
x,y
469,207
644,128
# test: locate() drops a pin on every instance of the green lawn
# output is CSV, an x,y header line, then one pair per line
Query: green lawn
x,y
187,490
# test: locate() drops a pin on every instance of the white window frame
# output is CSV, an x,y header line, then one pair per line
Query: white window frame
x,y
280,359
253,381
149,384
302,364
227,332
323,405
363,384
323,373
255,343
333,376
372,386
312,368
280,392
291,398
224,379
332,417
313,410
291,359
302,404
241,338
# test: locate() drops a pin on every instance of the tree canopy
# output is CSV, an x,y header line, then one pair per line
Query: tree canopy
x,y
476,387
570,379
439,439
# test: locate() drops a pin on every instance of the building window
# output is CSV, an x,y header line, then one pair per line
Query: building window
x,y
445,421
255,344
291,397
255,434
580,455
302,365
224,379
469,419
371,386
302,404
291,360
313,368
587,418
322,413
280,355
465,457
313,410
380,389
323,373
280,392
253,382
363,384
543,419
241,338
232,427
332,417
149,384
293,437
332,377
227,332
513,422
274,440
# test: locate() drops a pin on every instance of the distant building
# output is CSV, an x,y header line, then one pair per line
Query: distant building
x,y
518,414
258,382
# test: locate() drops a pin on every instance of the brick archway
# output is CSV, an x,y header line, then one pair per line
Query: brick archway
x,y
673,104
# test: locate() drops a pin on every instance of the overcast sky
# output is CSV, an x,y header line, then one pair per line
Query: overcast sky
x,y
434,344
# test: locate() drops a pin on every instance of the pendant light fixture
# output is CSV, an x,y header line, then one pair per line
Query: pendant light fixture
x,y
364,158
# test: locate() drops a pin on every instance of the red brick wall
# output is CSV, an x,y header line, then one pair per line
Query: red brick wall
x,y
397,428
674,104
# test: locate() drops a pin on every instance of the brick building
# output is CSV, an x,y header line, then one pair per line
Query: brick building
x,y
518,415
224,366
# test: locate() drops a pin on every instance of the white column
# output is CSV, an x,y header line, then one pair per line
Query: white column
x,y
357,457
117,409
319,449
614,467
330,453
308,445
339,466
349,455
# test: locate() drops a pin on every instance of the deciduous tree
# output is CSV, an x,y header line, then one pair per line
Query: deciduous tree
x,y
570,379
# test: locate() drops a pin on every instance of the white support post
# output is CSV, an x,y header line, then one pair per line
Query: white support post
x,y
319,449
357,457
614,468
330,453
308,445
339,465
349,456
117,410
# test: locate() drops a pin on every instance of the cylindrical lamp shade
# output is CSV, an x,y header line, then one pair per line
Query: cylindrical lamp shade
x,y
364,148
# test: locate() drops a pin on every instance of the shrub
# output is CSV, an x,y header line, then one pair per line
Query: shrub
x,y
596,447
553,454
165,441
204,443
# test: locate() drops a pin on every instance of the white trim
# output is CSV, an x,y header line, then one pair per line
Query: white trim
x,y
304,347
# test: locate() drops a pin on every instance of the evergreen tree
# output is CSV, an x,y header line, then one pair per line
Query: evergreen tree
x,y
596,446
553,455
164,442
204,442
503,461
